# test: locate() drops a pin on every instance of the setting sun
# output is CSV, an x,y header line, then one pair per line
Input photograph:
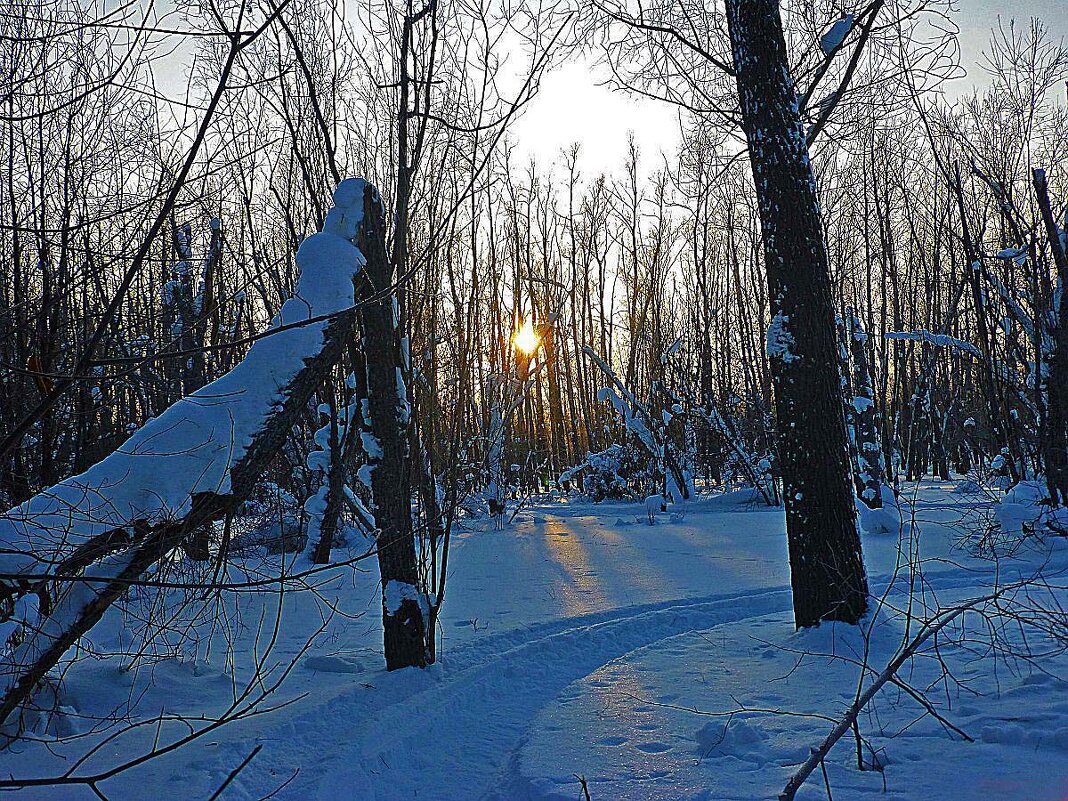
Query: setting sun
x,y
526,339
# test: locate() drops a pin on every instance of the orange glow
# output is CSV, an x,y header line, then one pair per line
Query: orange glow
x,y
526,339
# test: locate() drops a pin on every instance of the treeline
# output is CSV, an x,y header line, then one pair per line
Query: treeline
x,y
146,242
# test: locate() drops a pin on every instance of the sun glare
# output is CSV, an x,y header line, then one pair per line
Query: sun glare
x,y
526,339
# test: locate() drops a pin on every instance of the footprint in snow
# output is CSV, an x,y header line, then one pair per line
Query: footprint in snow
x,y
334,663
653,747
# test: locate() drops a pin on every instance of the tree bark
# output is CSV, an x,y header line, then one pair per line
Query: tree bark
x,y
386,442
1054,439
826,564
869,450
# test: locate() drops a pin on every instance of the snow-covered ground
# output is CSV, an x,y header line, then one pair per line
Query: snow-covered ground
x,y
654,662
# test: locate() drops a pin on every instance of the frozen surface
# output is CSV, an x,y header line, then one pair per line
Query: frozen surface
x,y
579,641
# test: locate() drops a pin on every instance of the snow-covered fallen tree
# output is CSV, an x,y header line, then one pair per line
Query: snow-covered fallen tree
x,y
80,544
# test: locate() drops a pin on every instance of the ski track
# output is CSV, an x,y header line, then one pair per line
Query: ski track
x,y
352,748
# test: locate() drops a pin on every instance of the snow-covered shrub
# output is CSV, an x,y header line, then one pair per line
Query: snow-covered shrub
x,y
1026,509
610,474
741,432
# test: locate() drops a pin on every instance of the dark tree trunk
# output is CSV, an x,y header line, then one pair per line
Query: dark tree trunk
x,y
386,412
826,564
995,405
1054,437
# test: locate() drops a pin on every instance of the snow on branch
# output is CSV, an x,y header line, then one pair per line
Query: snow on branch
x,y
635,416
940,340
1043,336
836,34
192,446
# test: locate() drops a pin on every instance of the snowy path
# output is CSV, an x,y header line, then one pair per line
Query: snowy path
x,y
473,723
687,718
573,575
559,635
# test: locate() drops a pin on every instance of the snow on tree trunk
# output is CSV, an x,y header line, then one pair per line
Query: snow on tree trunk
x,y
386,413
869,475
826,564
497,483
189,466
323,509
849,408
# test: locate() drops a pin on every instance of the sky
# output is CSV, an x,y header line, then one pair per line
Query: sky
x,y
575,106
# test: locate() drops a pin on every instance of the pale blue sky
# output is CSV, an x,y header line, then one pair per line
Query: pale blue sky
x,y
573,107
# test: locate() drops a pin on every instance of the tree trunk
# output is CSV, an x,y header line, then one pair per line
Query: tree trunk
x,y
826,564
870,451
332,489
386,415
1054,439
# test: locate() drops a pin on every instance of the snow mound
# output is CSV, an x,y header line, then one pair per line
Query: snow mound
x,y
886,520
334,663
738,737
1025,508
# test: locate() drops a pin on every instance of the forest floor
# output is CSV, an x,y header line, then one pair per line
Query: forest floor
x,y
656,662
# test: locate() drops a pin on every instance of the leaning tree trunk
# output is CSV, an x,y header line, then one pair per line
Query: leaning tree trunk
x,y
135,538
386,443
826,564
995,405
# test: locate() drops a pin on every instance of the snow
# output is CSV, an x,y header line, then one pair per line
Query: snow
x,y
695,717
940,340
862,404
395,593
1011,254
71,604
886,520
191,447
628,407
371,446
836,34
1025,508
780,340
580,642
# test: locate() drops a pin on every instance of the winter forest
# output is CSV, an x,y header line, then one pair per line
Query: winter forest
x,y
353,448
